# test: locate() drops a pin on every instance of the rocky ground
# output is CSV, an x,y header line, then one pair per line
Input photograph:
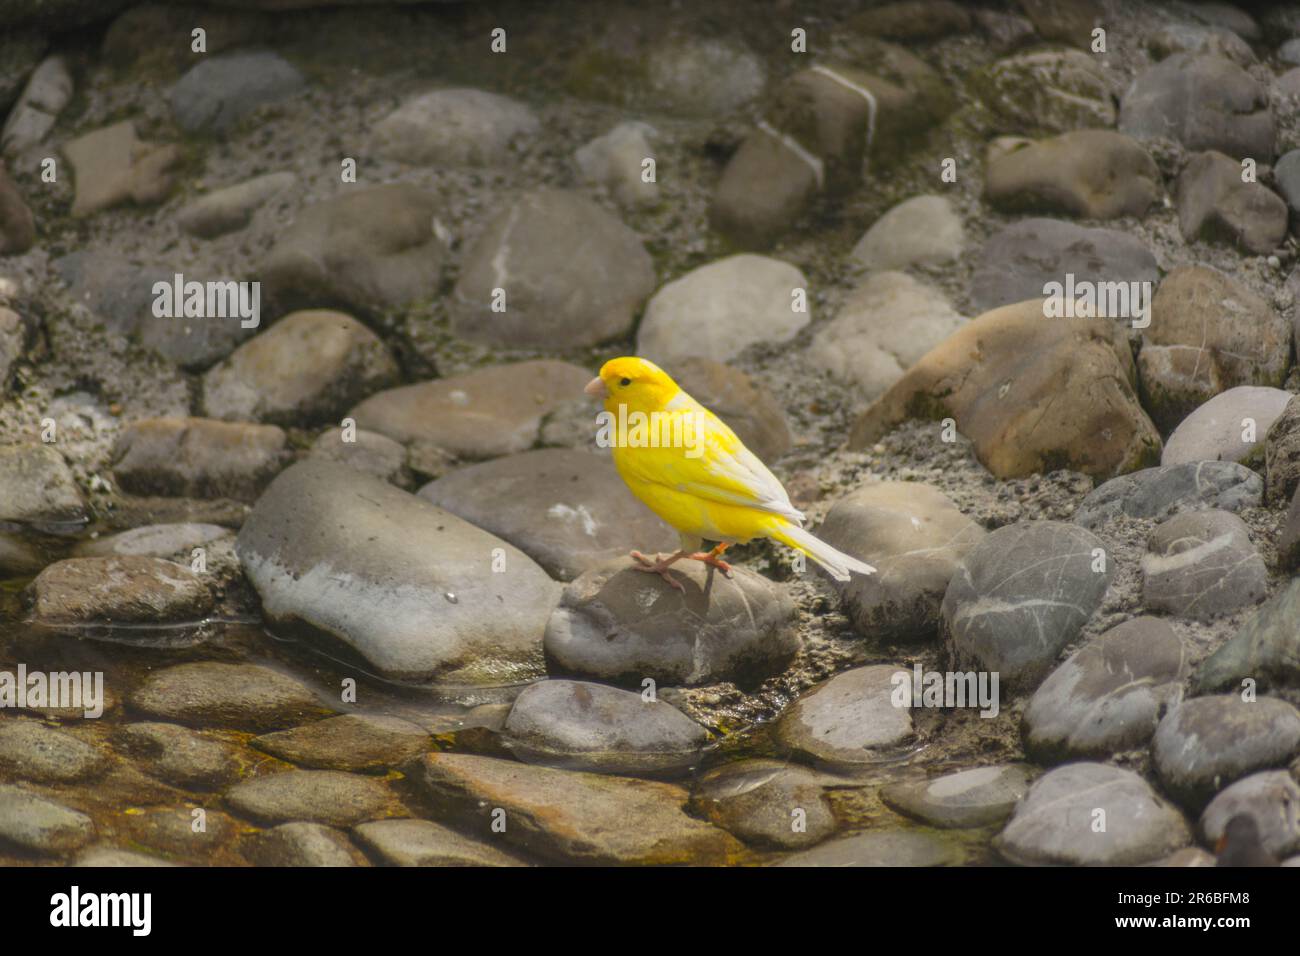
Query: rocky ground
x,y
355,576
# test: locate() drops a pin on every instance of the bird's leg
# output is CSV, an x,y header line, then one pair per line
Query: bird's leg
x,y
713,558
660,566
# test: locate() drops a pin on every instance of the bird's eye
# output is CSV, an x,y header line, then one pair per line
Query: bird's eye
x,y
624,382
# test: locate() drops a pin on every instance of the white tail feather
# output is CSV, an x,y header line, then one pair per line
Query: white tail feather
x,y
837,564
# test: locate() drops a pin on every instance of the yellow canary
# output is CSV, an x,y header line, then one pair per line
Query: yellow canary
x,y
690,469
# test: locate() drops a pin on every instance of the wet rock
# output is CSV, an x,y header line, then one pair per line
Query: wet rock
x,y
111,166
551,266
1282,453
1266,649
923,230
915,537
180,756
39,488
914,20
570,816
175,542
1272,798
741,401
121,591
211,694
232,208
102,856
578,725
853,718
1032,395
618,624
567,510
1229,427
1109,695
30,750
1202,102
366,451
1202,565
17,227
482,414
1193,39
178,833
1160,493
1019,260
1206,743
615,161
412,588
219,91
767,803
880,848
1092,174
1021,594
1214,204
354,742
303,844
1055,823
198,458
316,796
307,368
366,250
1188,856
423,843
463,127
717,310
34,823
980,797
1048,91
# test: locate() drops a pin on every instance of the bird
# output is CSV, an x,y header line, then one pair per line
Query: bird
x,y
690,469
1241,845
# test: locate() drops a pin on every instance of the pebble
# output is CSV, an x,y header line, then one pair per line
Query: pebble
x,y
766,188
455,127
1005,31
111,166
1272,798
353,742
102,856
716,310
1160,493
1193,39
1231,426
118,592
39,487
212,694
13,343
851,719
176,542
34,823
616,161
879,848
1266,649
1225,16
20,52
222,89
767,803
368,452
1048,91
615,623
703,76
981,797
315,796
232,208
180,756
1109,695
424,843
923,230
1282,453
1201,565
303,844
17,226
176,833
1288,538
914,20
1214,204
740,400
198,458
30,750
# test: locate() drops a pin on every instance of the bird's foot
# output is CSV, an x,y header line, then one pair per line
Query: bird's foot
x,y
713,559
659,566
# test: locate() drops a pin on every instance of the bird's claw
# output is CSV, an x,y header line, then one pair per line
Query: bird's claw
x,y
657,566
712,560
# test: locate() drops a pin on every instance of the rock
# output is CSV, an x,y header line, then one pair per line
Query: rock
x,y
463,127
422,843
366,250
1092,174
102,856
1107,696
879,848
615,162
118,592
17,227
1066,21
915,537
1289,52
171,831
1217,430
1019,260
1193,39
413,589
1288,538
1266,649
914,20
355,742
210,694
568,270
307,368
767,803
366,451
1272,798
39,488
1160,493
486,413
1282,453
42,826
698,76
923,230
851,719
884,328
617,624
1031,395
765,189
1202,565
1202,102
13,343
1214,204
1056,823
1188,856
1006,31
111,167
316,796
578,725
198,458
175,542
1047,91
717,310
1227,17
1286,177
232,208
980,797
129,43
751,411
179,756
1206,743
20,52
1288,84
304,844
567,510
1020,595
30,750
569,816
220,90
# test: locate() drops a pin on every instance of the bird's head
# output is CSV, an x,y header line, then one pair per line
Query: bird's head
x,y
638,384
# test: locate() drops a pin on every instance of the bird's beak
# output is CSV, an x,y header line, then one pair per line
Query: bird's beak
x,y
596,388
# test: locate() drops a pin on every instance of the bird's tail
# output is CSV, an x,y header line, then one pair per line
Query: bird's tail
x,y
837,564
